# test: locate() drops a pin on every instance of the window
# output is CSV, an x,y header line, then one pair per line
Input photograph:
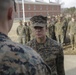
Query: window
x,y
34,7
47,13
46,7
21,8
29,7
29,15
52,8
40,7
34,13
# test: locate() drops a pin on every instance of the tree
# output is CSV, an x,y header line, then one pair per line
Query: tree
x,y
60,2
71,10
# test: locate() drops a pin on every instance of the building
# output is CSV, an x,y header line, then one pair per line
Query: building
x,y
37,8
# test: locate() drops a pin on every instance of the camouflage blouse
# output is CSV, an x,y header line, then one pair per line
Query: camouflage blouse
x,y
16,59
52,53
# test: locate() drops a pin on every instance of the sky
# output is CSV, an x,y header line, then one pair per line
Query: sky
x,y
67,3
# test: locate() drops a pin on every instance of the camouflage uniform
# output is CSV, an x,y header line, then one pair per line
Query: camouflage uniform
x,y
31,33
26,32
51,30
52,53
59,32
21,33
72,31
17,59
65,26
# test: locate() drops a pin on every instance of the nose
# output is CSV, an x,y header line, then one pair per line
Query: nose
x,y
38,29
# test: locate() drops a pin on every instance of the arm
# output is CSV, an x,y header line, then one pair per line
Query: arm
x,y
68,28
55,28
60,63
17,31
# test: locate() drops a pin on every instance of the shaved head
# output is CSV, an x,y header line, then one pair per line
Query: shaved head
x,y
7,14
4,6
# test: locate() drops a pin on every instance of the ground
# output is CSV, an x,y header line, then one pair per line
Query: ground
x,y
70,64
68,50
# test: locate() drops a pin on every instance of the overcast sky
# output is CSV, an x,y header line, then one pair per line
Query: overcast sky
x,y
67,3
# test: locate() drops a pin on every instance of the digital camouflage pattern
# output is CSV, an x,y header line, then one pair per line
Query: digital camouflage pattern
x,y
52,53
51,30
17,59
65,26
27,33
21,32
59,32
72,27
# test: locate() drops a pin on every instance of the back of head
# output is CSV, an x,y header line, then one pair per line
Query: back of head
x,y
7,13
16,59
20,22
25,23
4,6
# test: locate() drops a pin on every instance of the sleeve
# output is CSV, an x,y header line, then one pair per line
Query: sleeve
x,y
27,44
68,28
55,28
17,31
60,62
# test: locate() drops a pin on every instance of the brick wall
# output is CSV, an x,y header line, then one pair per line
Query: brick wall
x,y
37,9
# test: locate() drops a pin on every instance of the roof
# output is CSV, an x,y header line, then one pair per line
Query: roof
x,y
31,2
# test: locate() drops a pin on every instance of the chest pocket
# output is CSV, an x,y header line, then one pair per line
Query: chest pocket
x,y
47,54
51,60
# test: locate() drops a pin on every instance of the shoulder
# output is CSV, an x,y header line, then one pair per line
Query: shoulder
x,y
31,42
70,23
14,49
56,47
17,59
21,57
51,41
55,44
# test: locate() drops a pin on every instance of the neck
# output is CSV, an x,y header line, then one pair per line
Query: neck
x,y
4,28
41,40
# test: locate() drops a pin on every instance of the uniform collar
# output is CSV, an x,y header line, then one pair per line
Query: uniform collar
x,y
46,44
46,41
3,36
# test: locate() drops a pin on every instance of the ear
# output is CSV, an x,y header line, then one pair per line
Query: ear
x,y
10,13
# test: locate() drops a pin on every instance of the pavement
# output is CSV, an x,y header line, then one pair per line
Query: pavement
x,y
70,64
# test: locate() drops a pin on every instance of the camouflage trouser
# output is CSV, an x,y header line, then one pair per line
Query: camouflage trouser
x,y
32,37
64,35
21,40
53,69
60,38
73,40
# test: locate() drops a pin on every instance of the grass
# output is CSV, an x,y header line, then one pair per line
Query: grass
x,y
68,50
